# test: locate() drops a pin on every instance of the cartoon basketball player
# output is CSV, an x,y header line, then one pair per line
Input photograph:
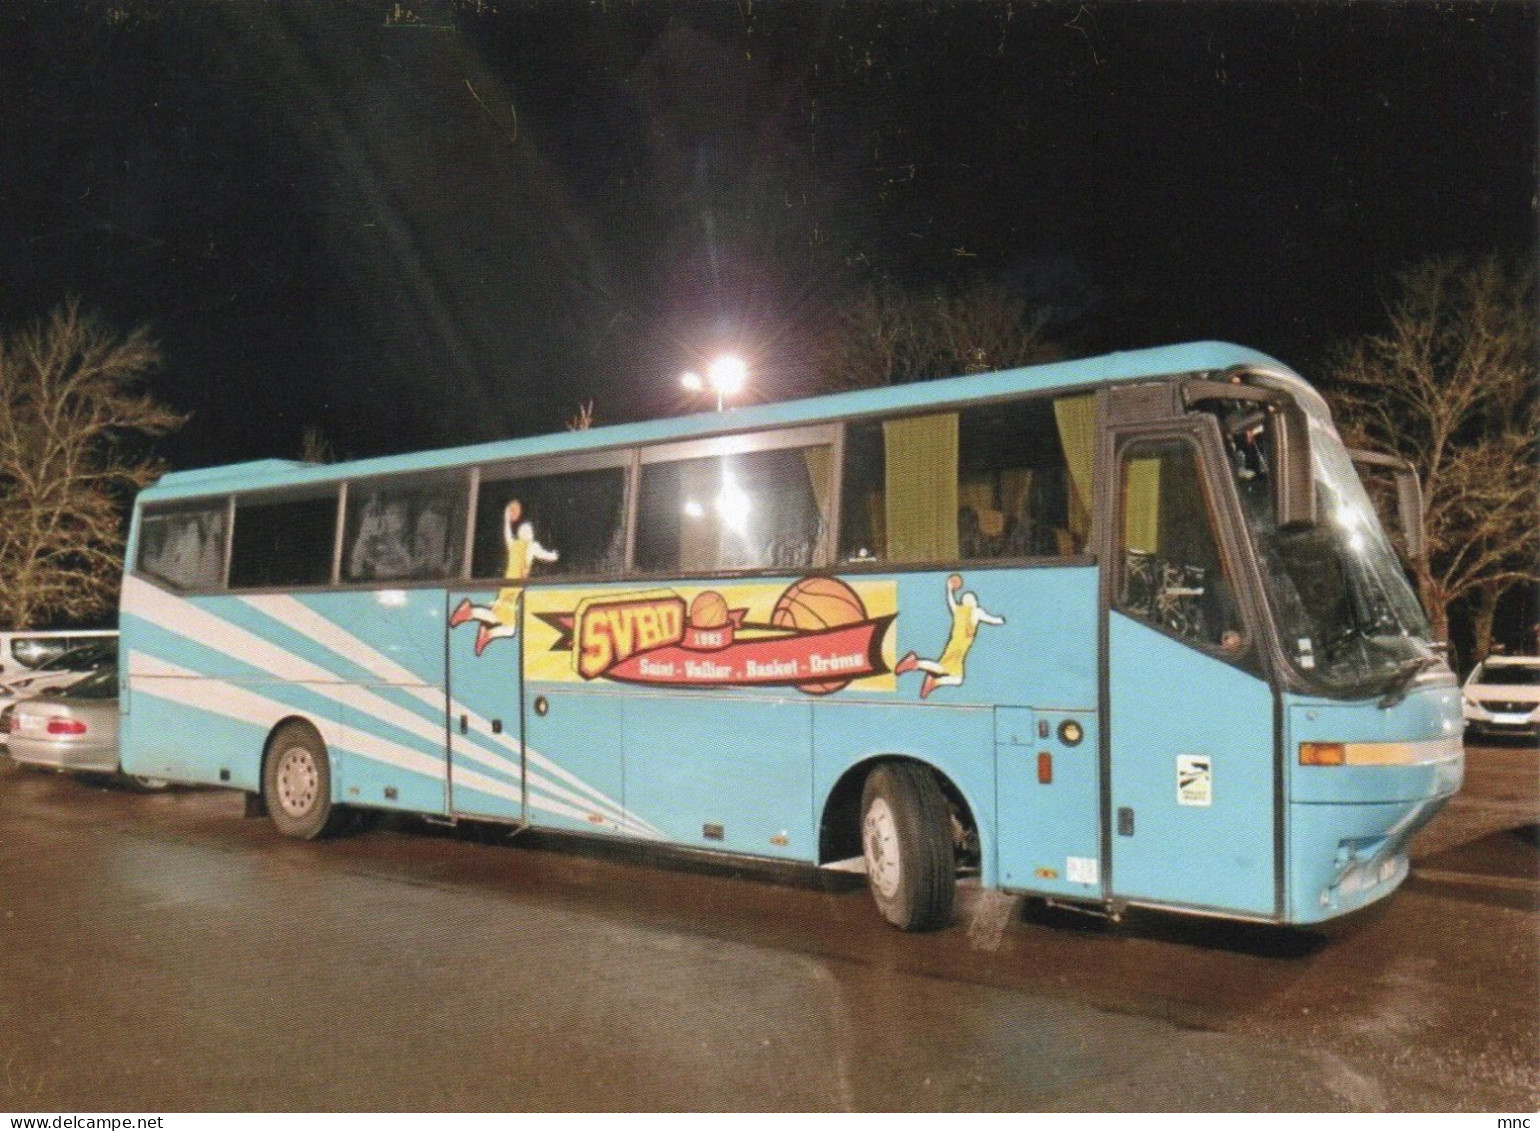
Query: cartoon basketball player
x,y
500,619
967,615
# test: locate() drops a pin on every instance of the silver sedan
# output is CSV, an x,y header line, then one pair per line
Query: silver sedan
x,y
72,729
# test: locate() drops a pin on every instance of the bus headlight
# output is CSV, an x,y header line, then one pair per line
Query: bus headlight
x,y
1380,753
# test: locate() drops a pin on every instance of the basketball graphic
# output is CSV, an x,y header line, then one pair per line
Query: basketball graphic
x,y
815,603
708,610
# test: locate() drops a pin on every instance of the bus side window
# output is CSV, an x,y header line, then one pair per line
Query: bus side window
x,y
405,530
1024,473
755,510
1004,480
900,493
283,542
568,523
1173,575
184,547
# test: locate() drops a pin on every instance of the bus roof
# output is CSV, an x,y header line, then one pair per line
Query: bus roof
x,y
1132,365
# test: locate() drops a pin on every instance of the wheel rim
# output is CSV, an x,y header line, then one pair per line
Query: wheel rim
x,y
880,840
298,780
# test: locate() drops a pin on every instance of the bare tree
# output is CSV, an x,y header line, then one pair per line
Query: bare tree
x,y
314,447
889,336
71,421
1450,386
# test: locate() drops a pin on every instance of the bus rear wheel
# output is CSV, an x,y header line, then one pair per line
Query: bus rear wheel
x,y
297,783
906,840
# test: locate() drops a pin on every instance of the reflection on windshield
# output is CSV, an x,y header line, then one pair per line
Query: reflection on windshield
x,y
1346,615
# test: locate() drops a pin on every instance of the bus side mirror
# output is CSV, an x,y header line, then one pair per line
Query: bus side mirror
x,y
1292,477
1408,500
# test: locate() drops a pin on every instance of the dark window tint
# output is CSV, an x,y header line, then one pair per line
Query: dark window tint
x,y
184,547
573,522
283,542
405,530
1009,480
760,510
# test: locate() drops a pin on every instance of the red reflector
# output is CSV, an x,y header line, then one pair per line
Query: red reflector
x,y
66,726
1045,768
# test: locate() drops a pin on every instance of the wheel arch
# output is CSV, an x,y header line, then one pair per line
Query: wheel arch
x,y
839,825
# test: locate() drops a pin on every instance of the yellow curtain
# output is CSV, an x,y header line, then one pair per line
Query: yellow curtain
x,y
1141,505
1076,417
920,478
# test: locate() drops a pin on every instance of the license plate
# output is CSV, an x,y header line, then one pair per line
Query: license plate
x,y
1510,720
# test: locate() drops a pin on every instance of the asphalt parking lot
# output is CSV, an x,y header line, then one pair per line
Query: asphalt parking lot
x,y
162,953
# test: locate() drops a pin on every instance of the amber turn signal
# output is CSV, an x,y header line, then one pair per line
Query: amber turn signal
x,y
1322,753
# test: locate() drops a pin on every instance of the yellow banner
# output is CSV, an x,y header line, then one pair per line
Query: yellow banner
x,y
818,635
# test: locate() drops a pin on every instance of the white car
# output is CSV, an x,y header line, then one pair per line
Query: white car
x,y
60,671
21,652
1502,696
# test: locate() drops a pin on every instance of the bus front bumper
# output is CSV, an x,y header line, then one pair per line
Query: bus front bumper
x,y
1346,856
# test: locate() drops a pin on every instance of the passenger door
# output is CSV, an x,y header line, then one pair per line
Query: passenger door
x,y
1192,794
486,752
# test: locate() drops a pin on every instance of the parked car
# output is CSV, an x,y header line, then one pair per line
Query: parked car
x,y
1502,696
63,669
72,729
21,652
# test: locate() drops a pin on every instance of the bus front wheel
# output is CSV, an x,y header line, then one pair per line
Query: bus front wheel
x,y
906,840
297,783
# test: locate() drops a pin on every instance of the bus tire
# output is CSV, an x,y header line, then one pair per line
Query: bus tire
x,y
297,783
906,841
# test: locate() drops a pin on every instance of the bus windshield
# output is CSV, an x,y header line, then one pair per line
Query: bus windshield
x,y
1347,618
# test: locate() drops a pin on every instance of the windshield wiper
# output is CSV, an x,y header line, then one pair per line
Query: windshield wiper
x,y
1405,675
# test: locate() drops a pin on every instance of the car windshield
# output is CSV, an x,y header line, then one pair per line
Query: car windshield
x,y
1347,617
86,658
1511,675
100,684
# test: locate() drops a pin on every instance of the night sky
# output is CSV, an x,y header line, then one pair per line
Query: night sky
x,y
425,224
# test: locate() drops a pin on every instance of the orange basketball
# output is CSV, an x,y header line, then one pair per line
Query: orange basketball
x,y
814,603
708,610
818,602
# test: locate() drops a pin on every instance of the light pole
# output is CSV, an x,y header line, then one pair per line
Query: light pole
x,y
725,376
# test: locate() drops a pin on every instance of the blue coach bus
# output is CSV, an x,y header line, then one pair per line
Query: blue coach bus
x,y
1117,631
